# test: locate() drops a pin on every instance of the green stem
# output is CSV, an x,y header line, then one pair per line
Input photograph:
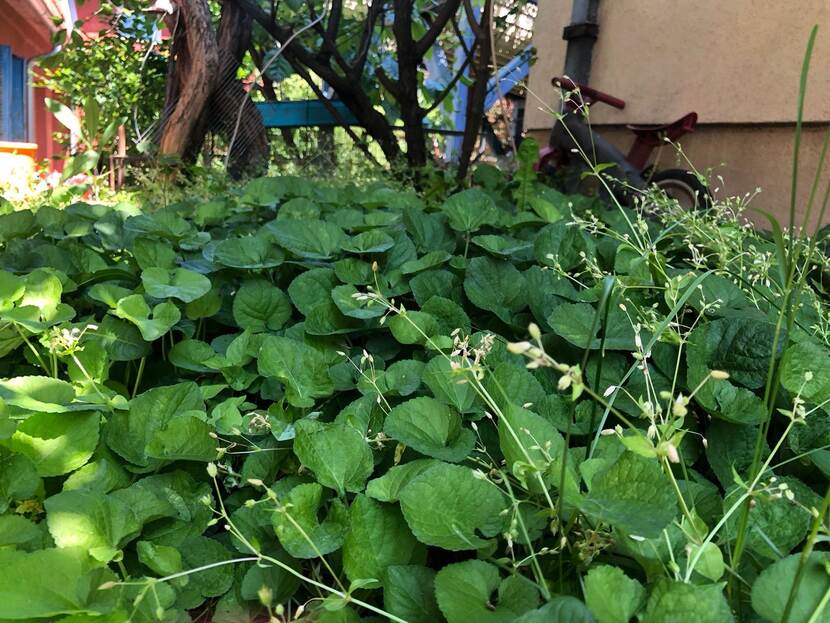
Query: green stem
x,y
820,607
138,376
86,374
32,348
805,557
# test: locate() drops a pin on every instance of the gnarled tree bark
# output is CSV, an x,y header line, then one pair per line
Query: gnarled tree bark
x,y
203,93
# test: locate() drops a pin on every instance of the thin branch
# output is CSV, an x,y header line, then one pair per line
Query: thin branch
x,y
471,19
445,13
328,49
451,84
301,71
335,15
387,82
264,70
376,9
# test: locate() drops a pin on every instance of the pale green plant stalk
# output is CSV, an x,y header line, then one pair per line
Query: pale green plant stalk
x,y
806,552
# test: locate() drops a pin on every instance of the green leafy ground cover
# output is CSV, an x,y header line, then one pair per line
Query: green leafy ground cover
x,y
349,404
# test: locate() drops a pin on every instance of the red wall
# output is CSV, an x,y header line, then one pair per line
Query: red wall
x,y
26,27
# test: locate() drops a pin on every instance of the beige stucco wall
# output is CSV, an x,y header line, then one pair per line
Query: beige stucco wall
x,y
735,62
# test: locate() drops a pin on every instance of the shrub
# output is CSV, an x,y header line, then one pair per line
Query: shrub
x,y
506,405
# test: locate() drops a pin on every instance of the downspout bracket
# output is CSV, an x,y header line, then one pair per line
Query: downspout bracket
x,y
582,30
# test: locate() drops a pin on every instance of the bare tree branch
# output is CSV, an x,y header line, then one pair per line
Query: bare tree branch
x,y
478,92
451,84
335,14
386,82
457,29
445,13
471,18
348,90
376,10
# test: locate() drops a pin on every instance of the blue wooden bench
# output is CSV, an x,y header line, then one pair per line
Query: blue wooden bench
x,y
304,113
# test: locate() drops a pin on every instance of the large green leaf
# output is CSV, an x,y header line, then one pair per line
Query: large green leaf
x,y
563,245
260,306
195,355
511,383
730,449
474,591
413,327
310,239
57,443
199,552
251,252
122,340
372,241
337,454
533,449
152,324
18,479
98,523
496,286
562,609
446,384
771,589
677,601
741,346
344,298
603,581
409,593
387,488
468,210
50,583
805,370
775,525
104,523
467,506
311,289
300,531
178,283
151,413
431,428
574,322
11,289
378,537
633,495
299,367
186,437
37,393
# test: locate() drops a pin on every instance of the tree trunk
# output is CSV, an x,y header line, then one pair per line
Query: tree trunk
x,y
407,86
194,62
478,92
200,57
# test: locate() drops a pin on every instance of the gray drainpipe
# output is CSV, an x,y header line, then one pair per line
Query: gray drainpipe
x,y
581,34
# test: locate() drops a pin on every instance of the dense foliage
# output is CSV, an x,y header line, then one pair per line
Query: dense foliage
x,y
116,66
304,398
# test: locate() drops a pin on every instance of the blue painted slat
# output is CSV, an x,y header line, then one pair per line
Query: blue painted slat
x,y
508,77
305,113
18,111
5,93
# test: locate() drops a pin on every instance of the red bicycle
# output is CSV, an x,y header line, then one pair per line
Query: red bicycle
x,y
572,139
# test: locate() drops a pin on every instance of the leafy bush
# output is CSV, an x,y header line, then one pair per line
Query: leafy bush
x,y
300,398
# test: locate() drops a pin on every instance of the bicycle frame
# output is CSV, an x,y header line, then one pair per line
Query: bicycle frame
x,y
573,134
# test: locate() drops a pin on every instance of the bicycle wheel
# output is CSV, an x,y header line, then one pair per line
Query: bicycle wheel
x,y
684,186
